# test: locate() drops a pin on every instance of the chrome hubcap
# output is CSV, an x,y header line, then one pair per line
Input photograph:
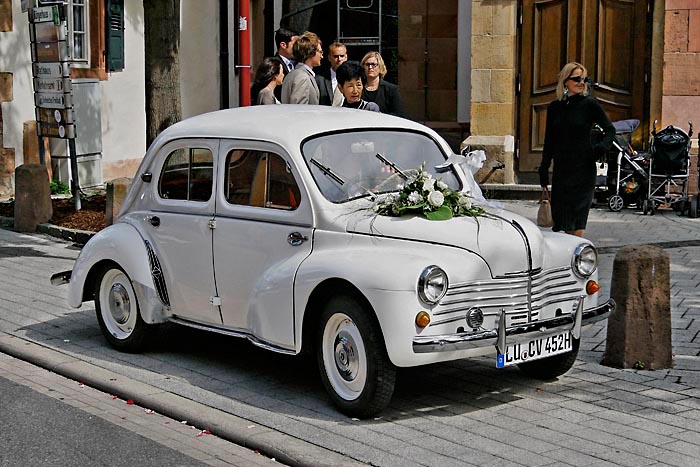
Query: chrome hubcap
x,y
346,359
119,303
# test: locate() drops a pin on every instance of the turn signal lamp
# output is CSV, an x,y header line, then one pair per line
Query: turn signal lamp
x,y
422,319
592,287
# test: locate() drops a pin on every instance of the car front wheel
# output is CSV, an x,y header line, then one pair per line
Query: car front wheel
x,y
352,359
118,312
551,367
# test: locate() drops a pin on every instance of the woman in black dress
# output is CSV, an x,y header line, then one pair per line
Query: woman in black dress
x,y
567,141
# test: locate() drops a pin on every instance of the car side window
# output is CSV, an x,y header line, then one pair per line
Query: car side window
x,y
260,178
187,175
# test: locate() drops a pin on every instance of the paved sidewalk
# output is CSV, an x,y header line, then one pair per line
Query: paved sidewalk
x,y
457,413
122,432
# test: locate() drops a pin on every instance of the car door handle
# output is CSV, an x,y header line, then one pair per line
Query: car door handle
x,y
296,239
154,220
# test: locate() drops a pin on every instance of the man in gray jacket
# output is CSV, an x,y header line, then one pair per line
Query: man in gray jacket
x,y
300,86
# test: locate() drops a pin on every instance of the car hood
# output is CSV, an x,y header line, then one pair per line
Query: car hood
x,y
500,237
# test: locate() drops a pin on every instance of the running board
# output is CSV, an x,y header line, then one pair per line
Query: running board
x,y
230,332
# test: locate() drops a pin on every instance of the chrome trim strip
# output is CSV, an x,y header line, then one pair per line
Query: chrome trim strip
x,y
481,298
514,334
233,333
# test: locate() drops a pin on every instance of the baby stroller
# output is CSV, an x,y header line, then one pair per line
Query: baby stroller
x,y
668,171
623,175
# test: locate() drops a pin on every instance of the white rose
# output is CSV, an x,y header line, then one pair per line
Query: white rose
x,y
442,185
436,198
399,186
465,202
429,184
414,197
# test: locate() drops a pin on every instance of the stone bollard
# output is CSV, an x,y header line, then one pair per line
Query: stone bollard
x,y
116,192
32,197
639,332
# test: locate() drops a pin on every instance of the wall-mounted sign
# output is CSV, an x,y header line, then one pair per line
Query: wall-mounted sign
x,y
51,70
54,116
53,100
45,14
47,32
52,85
49,52
56,131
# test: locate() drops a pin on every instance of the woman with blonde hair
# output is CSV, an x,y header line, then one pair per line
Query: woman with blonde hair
x,y
385,94
567,142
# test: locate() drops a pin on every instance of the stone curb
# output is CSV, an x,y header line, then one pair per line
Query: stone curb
x,y
80,237
285,448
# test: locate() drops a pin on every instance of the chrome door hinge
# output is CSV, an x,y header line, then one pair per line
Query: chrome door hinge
x,y
212,223
215,301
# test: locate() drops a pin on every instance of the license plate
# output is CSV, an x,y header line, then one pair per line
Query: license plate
x,y
535,349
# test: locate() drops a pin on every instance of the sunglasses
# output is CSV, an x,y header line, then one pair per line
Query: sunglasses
x,y
577,79
371,65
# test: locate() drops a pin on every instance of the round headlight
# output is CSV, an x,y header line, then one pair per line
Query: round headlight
x,y
585,260
432,285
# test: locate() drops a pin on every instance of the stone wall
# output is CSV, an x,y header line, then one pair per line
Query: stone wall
x,y
681,79
493,108
7,155
5,15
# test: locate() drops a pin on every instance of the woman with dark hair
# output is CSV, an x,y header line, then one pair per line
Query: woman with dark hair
x,y
268,76
385,94
351,81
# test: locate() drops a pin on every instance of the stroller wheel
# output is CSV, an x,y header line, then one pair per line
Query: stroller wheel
x,y
693,208
615,203
645,207
652,208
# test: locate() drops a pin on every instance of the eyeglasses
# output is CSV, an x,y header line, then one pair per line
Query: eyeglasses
x,y
577,79
371,65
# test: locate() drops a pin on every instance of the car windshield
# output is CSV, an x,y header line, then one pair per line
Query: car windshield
x,y
353,164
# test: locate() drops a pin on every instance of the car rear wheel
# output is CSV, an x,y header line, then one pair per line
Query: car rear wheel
x,y
551,367
353,362
118,313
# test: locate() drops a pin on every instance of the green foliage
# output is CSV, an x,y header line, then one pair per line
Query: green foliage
x,y
57,187
423,195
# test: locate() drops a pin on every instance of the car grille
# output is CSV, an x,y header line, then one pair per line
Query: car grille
x,y
511,293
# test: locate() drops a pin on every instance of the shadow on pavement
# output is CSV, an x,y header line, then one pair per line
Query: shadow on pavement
x,y
238,377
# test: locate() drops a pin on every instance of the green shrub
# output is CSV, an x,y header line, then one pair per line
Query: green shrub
x,y
59,188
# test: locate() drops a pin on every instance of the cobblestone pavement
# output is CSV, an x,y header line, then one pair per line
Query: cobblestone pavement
x,y
195,443
456,413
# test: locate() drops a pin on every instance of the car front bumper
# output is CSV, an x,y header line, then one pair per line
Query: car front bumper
x,y
521,333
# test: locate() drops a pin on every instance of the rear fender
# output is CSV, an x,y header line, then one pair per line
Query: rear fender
x,y
121,245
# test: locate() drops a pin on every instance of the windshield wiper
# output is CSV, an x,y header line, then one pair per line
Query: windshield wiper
x,y
392,165
328,172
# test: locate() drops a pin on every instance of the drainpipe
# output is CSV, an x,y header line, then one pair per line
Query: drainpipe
x,y
223,52
244,52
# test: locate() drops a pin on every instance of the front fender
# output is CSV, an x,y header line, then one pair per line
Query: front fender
x,y
121,244
381,268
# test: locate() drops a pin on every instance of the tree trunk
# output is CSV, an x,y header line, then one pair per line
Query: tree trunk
x,y
162,48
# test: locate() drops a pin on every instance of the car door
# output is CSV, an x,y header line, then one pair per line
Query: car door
x,y
179,225
263,232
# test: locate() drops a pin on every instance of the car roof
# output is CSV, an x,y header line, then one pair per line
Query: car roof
x,y
285,124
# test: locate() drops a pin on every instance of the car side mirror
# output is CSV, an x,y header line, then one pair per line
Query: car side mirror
x,y
147,177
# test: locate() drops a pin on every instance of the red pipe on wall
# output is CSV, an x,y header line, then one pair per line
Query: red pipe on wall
x,y
244,52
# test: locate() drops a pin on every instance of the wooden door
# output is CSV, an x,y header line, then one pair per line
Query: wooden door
x,y
609,37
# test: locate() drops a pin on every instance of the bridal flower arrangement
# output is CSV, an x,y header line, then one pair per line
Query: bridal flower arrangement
x,y
430,197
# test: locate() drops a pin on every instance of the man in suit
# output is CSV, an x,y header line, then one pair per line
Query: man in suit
x,y
285,39
327,82
300,87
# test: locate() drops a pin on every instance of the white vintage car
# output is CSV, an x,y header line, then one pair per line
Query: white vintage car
x,y
262,223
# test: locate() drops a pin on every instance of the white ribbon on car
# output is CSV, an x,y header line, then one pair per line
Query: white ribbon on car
x,y
471,162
